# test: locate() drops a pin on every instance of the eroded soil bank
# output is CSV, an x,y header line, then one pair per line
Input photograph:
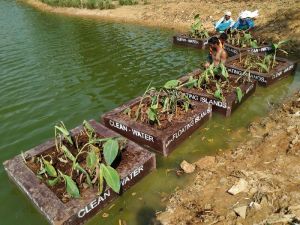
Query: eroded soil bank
x,y
256,183
278,19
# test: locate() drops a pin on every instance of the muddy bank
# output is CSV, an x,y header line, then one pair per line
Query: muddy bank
x,y
278,20
256,183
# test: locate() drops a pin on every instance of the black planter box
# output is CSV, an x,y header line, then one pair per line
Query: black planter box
x,y
136,163
162,141
233,50
185,40
263,79
230,102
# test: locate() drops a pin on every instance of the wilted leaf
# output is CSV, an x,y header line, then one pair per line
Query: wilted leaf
x,y
111,177
110,150
49,169
91,160
71,187
264,67
67,153
239,94
88,179
172,84
54,181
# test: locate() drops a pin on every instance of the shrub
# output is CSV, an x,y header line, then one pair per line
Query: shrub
x,y
128,2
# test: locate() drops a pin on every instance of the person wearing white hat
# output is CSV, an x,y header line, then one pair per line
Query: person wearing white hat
x,y
246,20
224,23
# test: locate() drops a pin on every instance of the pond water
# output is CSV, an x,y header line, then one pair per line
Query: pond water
x,y
54,67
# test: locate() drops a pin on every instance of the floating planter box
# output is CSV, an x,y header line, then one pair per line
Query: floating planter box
x,y
233,50
135,163
161,140
188,41
230,101
283,69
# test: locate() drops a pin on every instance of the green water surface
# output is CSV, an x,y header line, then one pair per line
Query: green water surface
x,y
54,68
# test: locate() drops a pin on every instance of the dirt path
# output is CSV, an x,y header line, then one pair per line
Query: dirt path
x,y
264,173
278,20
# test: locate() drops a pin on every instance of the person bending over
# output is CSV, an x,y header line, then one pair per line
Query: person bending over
x,y
217,54
224,23
245,21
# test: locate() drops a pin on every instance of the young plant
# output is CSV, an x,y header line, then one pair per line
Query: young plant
x,y
278,47
61,133
197,28
86,163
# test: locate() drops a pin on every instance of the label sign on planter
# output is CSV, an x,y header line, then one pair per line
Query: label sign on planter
x,y
134,165
254,76
285,68
230,101
206,100
233,50
184,129
157,139
106,195
188,41
134,132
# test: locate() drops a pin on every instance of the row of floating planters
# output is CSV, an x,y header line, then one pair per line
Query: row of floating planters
x,y
62,176
262,66
75,175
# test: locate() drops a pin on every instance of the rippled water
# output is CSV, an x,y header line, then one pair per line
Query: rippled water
x,y
56,68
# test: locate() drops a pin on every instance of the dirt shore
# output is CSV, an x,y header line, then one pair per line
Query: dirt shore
x,y
278,20
256,183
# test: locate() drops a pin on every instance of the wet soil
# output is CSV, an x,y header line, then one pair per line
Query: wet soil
x,y
263,170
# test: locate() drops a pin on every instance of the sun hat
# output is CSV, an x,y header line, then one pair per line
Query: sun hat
x,y
248,14
227,13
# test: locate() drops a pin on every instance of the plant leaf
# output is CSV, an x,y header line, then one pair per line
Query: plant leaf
x,y
172,84
100,185
111,177
67,153
110,150
263,66
49,169
91,160
53,182
239,94
88,179
71,187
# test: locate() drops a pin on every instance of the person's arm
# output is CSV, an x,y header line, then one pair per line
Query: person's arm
x,y
223,57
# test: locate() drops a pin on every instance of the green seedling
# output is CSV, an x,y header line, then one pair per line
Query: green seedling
x,y
197,28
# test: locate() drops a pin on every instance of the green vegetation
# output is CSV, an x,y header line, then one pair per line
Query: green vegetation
x,y
80,162
242,39
128,2
263,64
89,4
163,104
197,29
216,82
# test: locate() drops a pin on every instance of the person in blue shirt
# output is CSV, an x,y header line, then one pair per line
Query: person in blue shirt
x,y
224,23
245,21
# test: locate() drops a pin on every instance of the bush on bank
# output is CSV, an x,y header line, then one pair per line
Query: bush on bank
x,y
90,4
128,2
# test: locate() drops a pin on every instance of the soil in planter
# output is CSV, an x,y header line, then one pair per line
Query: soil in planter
x,y
165,118
66,167
253,60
